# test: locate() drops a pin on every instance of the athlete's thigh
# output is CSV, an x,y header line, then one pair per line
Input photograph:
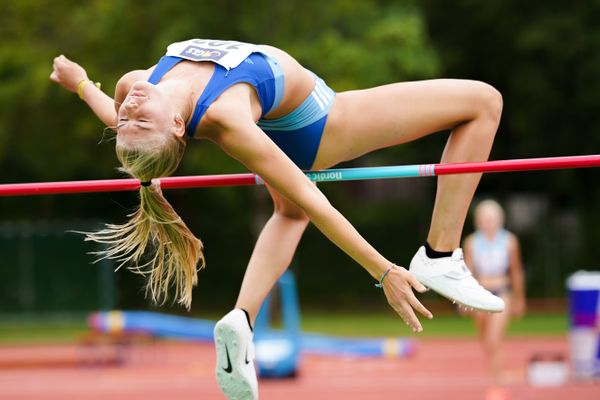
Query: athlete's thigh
x,y
366,120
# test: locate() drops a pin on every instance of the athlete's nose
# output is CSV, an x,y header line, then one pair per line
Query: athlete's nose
x,y
130,104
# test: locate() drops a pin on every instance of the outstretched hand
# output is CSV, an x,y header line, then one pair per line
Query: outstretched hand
x,y
67,73
398,288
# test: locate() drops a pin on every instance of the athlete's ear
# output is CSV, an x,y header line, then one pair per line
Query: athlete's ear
x,y
178,125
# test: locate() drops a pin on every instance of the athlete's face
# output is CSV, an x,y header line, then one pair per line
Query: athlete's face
x,y
146,110
488,220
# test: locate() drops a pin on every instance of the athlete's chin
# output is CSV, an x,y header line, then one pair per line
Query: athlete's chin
x,y
143,87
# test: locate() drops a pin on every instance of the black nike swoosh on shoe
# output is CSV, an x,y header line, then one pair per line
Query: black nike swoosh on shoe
x,y
229,367
247,361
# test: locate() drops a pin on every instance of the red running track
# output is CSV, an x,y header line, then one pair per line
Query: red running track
x,y
440,369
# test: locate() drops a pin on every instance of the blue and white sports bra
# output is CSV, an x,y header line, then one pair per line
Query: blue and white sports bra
x,y
235,62
298,133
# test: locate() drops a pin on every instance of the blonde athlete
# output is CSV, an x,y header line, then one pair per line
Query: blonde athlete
x,y
276,117
494,255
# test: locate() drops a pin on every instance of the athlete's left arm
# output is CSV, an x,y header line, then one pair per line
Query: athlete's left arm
x,y
517,278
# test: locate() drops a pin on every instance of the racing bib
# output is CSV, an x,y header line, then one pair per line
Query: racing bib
x,y
227,53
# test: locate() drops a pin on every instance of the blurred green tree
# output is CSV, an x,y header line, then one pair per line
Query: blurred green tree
x,y
543,57
48,134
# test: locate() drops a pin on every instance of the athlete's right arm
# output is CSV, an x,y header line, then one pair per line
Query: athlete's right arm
x,y
240,137
69,74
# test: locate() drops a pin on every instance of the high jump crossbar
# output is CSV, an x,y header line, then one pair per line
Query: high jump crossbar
x,y
328,175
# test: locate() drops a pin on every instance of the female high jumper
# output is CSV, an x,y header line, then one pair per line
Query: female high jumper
x,y
277,118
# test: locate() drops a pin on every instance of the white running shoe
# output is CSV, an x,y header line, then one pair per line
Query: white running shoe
x,y
235,371
450,277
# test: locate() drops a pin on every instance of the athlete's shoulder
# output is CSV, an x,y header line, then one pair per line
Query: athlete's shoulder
x,y
125,82
135,75
468,242
513,240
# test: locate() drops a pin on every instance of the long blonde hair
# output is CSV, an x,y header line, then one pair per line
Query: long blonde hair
x,y
155,242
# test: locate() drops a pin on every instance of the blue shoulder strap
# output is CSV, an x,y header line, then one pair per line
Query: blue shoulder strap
x,y
221,80
162,67
213,89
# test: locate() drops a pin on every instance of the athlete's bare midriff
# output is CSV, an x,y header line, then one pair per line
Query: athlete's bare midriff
x,y
299,82
494,282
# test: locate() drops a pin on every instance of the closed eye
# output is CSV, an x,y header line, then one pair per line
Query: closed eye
x,y
123,122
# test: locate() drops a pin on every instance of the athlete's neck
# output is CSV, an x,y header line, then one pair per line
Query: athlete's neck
x,y
182,97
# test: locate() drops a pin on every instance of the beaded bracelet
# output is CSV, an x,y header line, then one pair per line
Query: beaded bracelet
x,y
380,284
82,83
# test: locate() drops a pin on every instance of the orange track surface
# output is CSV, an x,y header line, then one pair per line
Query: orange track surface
x,y
439,369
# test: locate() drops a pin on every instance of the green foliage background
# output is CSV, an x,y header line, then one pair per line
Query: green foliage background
x,y
541,55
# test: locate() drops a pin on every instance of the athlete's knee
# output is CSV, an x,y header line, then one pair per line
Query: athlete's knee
x,y
489,101
291,211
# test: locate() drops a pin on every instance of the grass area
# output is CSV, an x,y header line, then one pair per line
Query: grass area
x,y
55,330
41,329
441,326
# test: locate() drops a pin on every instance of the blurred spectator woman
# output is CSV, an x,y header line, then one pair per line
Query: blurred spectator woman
x,y
494,256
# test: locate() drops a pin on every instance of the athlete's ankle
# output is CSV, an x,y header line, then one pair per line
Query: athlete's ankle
x,y
431,253
248,319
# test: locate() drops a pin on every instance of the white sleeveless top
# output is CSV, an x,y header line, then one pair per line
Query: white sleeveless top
x,y
491,258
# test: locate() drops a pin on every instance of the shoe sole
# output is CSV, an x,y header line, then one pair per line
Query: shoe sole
x,y
431,286
235,384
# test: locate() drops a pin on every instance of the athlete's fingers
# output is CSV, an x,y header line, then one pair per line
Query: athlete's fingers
x,y
397,306
402,315
411,319
418,306
59,60
398,289
57,67
54,77
404,310
418,286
